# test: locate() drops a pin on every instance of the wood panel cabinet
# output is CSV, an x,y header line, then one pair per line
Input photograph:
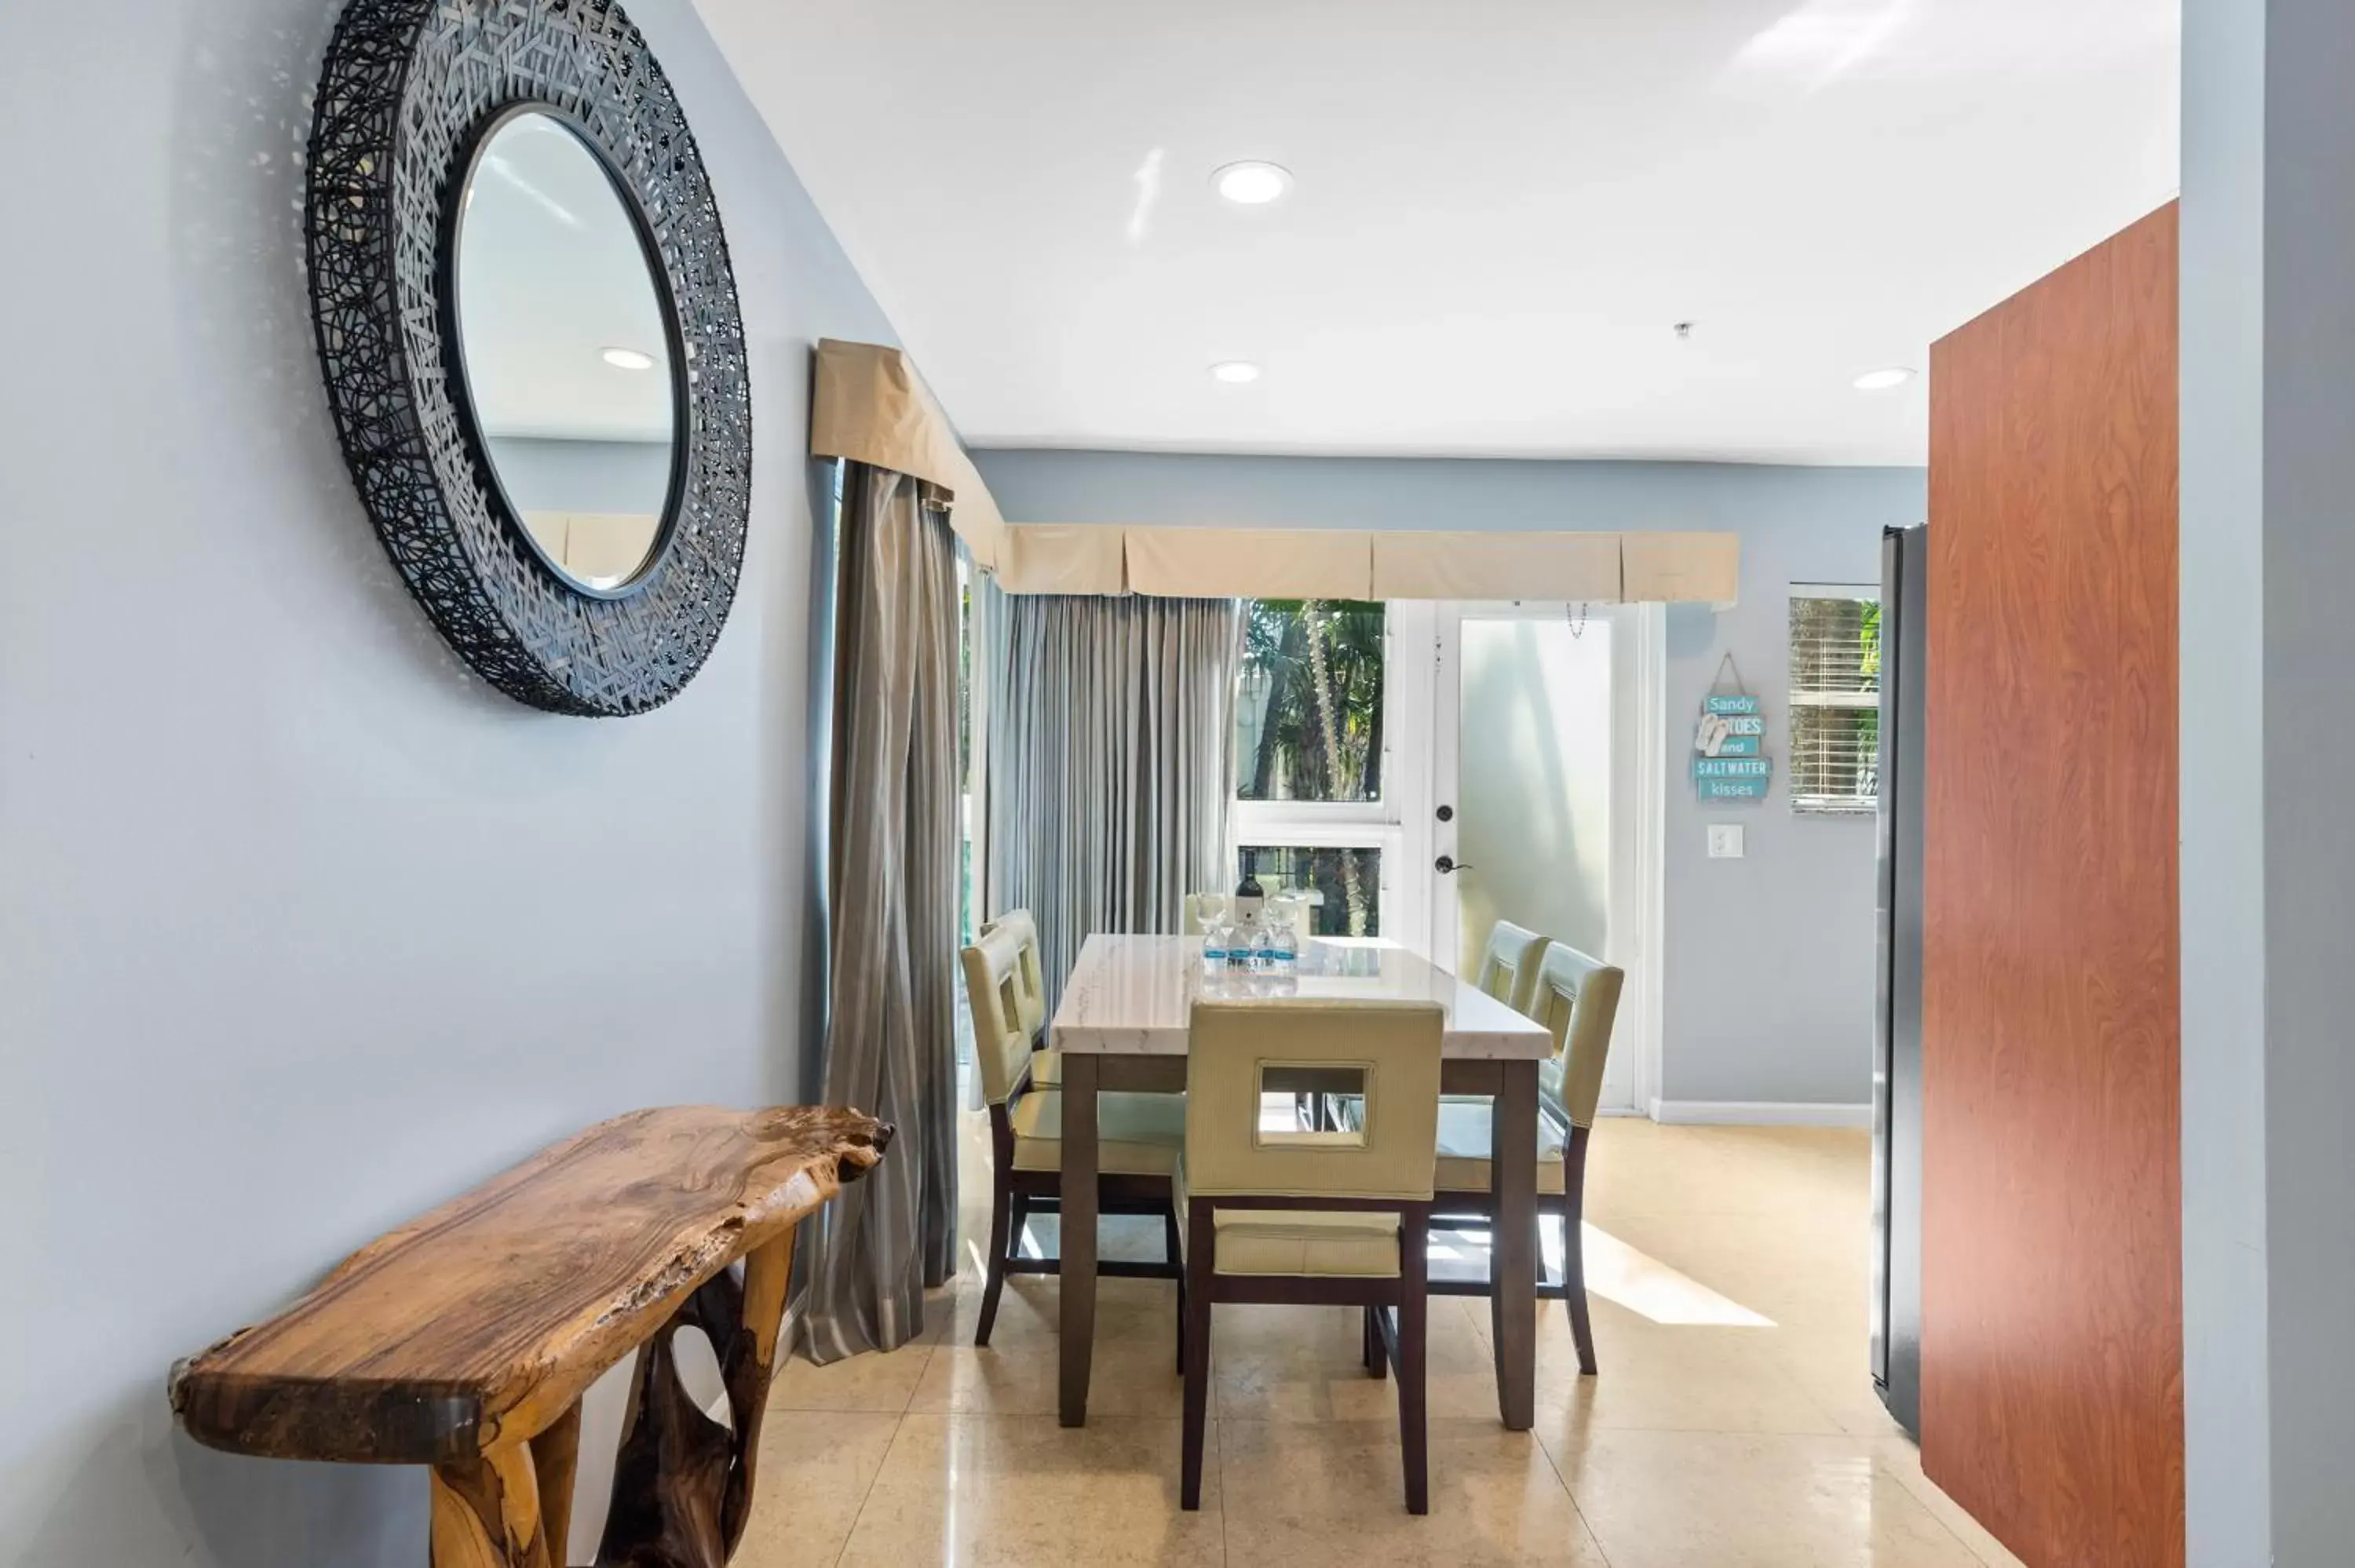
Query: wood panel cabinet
x,y
2053,1323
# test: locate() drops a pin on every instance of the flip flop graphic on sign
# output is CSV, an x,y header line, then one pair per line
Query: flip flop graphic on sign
x,y
1729,746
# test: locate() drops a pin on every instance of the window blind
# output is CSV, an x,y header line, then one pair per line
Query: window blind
x,y
1835,699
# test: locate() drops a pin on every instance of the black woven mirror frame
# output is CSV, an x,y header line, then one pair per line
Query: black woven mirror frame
x,y
408,87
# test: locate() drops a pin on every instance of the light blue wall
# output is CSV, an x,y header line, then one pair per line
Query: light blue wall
x,y
304,928
1770,959
2227,1462
2268,377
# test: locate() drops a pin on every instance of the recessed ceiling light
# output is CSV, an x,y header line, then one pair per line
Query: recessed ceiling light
x,y
1235,372
628,359
1252,183
1883,380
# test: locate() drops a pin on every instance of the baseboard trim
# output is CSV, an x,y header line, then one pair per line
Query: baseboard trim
x,y
1760,1112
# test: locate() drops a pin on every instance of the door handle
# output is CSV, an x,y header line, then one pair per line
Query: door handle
x,y
1446,863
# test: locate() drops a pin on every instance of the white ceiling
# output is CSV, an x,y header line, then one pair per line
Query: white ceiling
x,y
1502,207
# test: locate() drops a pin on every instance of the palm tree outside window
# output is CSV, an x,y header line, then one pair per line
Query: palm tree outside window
x,y
1310,710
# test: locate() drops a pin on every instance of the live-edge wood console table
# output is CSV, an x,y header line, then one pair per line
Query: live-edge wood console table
x,y
465,1339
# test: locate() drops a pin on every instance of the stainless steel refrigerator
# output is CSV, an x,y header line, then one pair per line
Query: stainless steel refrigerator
x,y
1897,1045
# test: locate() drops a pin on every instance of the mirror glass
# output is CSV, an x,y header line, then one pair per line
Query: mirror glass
x,y
567,357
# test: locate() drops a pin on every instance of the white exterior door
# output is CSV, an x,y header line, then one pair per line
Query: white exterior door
x,y
1539,807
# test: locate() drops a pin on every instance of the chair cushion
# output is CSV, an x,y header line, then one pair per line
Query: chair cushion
x,y
1331,1243
1137,1135
1464,1137
1307,1241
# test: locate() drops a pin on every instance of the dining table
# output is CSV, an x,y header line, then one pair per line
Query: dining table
x,y
1123,1023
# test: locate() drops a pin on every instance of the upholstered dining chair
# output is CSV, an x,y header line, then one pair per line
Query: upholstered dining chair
x,y
1285,1215
1508,965
1030,995
1138,1136
1577,997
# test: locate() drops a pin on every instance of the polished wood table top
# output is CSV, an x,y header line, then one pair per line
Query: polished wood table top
x,y
465,1338
428,1343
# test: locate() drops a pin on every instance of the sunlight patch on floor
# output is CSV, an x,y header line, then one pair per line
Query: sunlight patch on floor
x,y
1615,1271
1643,1283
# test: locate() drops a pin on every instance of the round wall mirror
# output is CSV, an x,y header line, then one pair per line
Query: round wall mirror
x,y
530,334
570,359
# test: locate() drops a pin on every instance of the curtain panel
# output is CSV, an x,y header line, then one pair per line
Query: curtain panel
x,y
1110,732
868,406
891,1047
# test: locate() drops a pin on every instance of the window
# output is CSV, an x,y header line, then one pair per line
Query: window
x,y
1308,706
1835,699
1313,717
1347,881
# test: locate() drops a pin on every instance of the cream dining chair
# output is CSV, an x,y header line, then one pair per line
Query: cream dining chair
x,y
1030,995
1577,997
1333,1218
1139,1136
1508,965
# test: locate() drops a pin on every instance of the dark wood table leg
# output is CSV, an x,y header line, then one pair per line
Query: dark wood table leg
x,y
682,1481
1512,1299
1077,1282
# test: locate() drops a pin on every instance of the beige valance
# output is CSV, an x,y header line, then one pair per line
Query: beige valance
x,y
1063,558
1347,563
1568,567
1250,563
868,405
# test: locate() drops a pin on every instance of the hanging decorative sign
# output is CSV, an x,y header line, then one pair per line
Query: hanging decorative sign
x,y
1729,747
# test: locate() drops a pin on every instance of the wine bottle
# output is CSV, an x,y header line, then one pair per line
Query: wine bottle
x,y
1249,897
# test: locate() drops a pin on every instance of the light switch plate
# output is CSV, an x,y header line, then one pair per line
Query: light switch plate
x,y
1725,840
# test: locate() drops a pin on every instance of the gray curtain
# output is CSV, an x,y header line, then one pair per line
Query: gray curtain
x,y
1111,721
893,880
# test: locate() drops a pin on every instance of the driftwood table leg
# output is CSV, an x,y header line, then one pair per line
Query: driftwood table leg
x,y
749,1364
682,1482
555,1454
486,1513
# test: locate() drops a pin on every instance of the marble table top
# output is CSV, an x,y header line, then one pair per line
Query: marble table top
x,y
1135,996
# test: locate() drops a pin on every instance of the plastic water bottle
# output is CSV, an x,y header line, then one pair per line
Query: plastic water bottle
x,y
1284,947
1242,938
1214,945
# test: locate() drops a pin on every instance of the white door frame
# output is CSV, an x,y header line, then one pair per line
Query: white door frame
x,y
1636,900
1639,752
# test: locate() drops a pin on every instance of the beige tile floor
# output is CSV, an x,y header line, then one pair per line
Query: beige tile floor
x,y
1732,1423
